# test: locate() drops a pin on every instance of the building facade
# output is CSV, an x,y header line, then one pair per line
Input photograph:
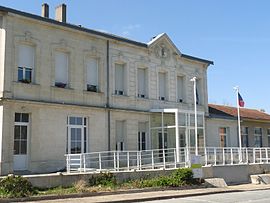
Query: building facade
x,y
69,89
222,127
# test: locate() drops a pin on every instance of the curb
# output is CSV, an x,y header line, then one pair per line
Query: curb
x,y
161,197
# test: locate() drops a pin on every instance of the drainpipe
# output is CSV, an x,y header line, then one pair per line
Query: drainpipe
x,y
108,95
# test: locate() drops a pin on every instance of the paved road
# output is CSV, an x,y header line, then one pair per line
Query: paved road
x,y
262,196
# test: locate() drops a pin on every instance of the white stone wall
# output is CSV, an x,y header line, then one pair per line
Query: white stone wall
x,y
47,38
212,132
48,133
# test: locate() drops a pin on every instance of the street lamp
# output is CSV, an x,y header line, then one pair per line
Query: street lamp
x,y
195,114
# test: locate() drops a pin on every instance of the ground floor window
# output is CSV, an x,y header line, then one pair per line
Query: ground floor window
x,y
258,137
142,136
244,136
120,135
21,133
268,136
223,136
77,135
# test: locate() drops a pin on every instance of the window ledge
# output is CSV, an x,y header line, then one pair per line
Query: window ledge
x,y
60,88
26,84
90,92
142,98
118,95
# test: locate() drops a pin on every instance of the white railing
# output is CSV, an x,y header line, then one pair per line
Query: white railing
x,y
163,159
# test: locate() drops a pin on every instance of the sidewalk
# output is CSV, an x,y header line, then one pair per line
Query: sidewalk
x,y
149,195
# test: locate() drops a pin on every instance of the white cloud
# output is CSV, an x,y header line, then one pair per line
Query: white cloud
x,y
127,30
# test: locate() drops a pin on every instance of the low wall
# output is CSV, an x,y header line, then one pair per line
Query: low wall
x,y
235,173
64,179
231,174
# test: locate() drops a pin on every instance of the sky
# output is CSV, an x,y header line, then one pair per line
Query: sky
x,y
233,34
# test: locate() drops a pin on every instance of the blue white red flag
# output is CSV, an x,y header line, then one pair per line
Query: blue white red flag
x,y
240,101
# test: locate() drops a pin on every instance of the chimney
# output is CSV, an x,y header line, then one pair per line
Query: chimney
x,y
60,13
45,10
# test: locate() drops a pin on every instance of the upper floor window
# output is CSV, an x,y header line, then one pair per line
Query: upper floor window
x,y
258,137
223,132
120,79
26,63
180,88
162,86
61,69
92,74
142,83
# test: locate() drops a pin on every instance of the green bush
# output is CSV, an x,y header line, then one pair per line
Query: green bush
x,y
16,186
103,179
182,176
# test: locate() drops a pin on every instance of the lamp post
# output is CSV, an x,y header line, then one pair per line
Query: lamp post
x,y
195,114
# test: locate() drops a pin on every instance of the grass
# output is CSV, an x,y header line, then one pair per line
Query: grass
x,y
103,182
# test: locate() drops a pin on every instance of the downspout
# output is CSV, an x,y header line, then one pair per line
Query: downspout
x,y
108,95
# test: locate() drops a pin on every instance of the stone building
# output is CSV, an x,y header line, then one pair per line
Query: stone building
x,y
69,89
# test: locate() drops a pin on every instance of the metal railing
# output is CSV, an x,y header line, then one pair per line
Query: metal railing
x,y
157,159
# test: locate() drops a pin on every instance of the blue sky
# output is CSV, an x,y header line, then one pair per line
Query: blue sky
x,y
234,34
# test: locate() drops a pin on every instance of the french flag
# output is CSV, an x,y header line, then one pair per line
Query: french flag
x,y
240,101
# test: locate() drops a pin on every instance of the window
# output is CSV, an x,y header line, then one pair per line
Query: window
x,y
61,69
258,137
180,88
142,137
77,135
21,133
268,136
223,136
162,86
119,79
142,83
120,141
26,63
92,75
244,136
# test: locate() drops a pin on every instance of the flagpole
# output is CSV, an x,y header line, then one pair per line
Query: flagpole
x,y
239,125
195,115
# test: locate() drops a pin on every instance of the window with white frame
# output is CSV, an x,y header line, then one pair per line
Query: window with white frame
x,y
244,134
257,137
26,63
142,82
92,74
120,79
223,132
120,140
77,135
21,133
268,136
142,136
61,69
180,88
162,85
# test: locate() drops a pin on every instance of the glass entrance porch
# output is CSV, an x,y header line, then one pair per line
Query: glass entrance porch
x,y
175,128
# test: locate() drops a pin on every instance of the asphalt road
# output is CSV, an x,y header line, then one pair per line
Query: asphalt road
x,y
239,197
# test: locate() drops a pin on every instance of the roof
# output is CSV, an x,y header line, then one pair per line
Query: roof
x,y
95,32
245,114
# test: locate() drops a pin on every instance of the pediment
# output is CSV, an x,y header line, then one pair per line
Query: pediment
x,y
163,47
